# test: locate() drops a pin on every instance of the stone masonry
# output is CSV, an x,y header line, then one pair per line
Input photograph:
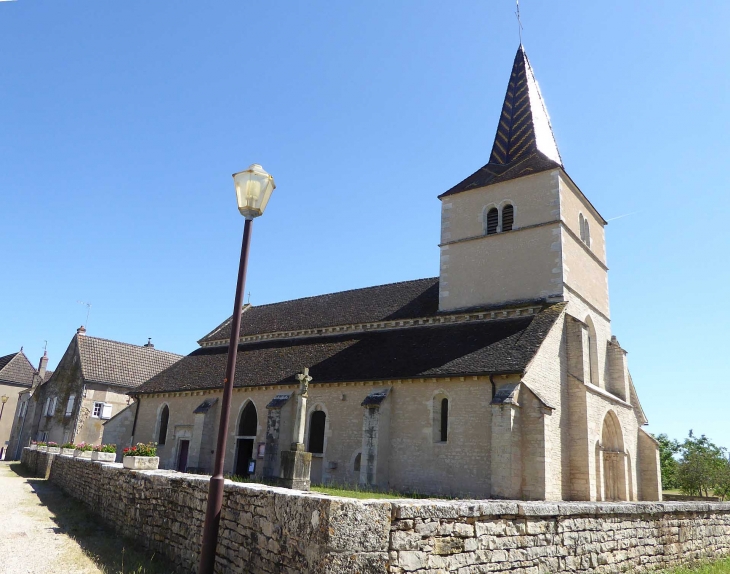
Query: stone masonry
x,y
265,529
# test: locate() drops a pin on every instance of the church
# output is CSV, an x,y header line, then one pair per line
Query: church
x,y
500,378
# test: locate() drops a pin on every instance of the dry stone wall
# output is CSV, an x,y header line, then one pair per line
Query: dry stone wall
x,y
266,530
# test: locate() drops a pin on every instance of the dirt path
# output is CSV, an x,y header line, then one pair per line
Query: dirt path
x,y
43,531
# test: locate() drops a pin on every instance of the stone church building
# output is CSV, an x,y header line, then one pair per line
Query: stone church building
x,y
500,378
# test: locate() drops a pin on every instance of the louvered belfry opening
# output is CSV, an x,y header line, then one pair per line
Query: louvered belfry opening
x,y
492,221
508,217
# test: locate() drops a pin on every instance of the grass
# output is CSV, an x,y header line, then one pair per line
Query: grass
x,y
111,553
715,567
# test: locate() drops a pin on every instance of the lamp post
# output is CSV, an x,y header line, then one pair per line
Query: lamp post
x,y
253,190
4,400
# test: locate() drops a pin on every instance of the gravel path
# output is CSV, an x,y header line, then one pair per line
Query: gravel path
x,y
31,539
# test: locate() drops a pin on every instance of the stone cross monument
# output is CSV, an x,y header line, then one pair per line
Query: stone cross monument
x,y
296,463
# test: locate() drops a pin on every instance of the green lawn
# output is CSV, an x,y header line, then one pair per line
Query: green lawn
x,y
717,567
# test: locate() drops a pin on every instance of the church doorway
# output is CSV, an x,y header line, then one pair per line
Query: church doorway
x,y
614,459
247,426
182,456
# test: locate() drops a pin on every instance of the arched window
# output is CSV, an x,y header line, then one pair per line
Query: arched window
x,y
358,459
444,419
164,419
248,424
582,222
492,221
316,432
592,353
508,217
588,233
440,417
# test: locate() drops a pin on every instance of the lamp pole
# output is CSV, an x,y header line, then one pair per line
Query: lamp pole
x,y
4,400
253,189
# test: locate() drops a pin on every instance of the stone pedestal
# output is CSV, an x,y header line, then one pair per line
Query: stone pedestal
x,y
296,465
141,462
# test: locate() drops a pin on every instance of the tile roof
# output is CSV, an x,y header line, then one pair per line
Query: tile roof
x,y
404,300
524,143
16,368
123,364
472,348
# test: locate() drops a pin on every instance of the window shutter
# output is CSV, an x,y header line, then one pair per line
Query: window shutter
x,y
48,404
70,405
106,411
508,217
492,221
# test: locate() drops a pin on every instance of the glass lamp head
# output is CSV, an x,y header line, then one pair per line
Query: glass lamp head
x,y
253,190
4,398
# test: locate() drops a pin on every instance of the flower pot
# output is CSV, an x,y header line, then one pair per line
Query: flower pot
x,y
104,456
142,462
34,447
68,451
54,450
43,448
82,454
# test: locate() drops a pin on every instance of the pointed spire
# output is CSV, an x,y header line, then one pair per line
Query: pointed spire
x,y
524,126
524,143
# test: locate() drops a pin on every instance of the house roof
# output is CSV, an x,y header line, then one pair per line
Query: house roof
x,y
16,369
524,143
459,349
394,301
122,364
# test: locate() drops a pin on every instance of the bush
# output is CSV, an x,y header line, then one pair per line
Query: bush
x,y
105,448
68,445
41,443
84,447
141,449
52,444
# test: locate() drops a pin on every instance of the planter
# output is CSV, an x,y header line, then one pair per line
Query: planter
x,y
68,451
42,449
33,447
83,454
54,450
104,456
142,462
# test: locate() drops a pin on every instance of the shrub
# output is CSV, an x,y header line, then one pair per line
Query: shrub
x,y
141,449
41,443
105,448
68,445
52,444
84,447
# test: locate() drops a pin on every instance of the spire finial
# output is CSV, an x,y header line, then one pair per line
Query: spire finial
x,y
519,22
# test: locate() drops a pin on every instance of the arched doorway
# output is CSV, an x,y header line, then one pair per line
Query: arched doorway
x,y
317,426
245,437
614,459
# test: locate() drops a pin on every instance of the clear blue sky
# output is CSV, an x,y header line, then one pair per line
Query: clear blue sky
x,y
121,123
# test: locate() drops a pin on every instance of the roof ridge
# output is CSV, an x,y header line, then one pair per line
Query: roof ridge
x,y
345,291
154,349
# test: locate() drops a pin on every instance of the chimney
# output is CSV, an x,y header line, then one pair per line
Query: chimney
x,y
149,343
42,366
81,330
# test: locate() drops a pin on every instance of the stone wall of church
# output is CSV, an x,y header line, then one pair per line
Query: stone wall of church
x,y
265,529
417,461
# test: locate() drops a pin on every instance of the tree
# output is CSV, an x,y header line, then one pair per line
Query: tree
x,y
668,448
701,467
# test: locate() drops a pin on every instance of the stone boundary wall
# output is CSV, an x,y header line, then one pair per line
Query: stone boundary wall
x,y
265,529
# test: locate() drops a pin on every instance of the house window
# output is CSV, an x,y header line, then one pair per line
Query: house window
x,y
164,419
316,432
70,405
96,412
508,217
492,221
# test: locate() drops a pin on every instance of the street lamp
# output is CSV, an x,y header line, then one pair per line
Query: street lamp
x,y
253,190
4,400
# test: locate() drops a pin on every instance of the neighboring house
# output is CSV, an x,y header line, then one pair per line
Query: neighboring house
x,y
24,412
90,386
16,375
498,379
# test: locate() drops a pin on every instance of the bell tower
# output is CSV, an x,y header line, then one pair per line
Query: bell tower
x,y
519,229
